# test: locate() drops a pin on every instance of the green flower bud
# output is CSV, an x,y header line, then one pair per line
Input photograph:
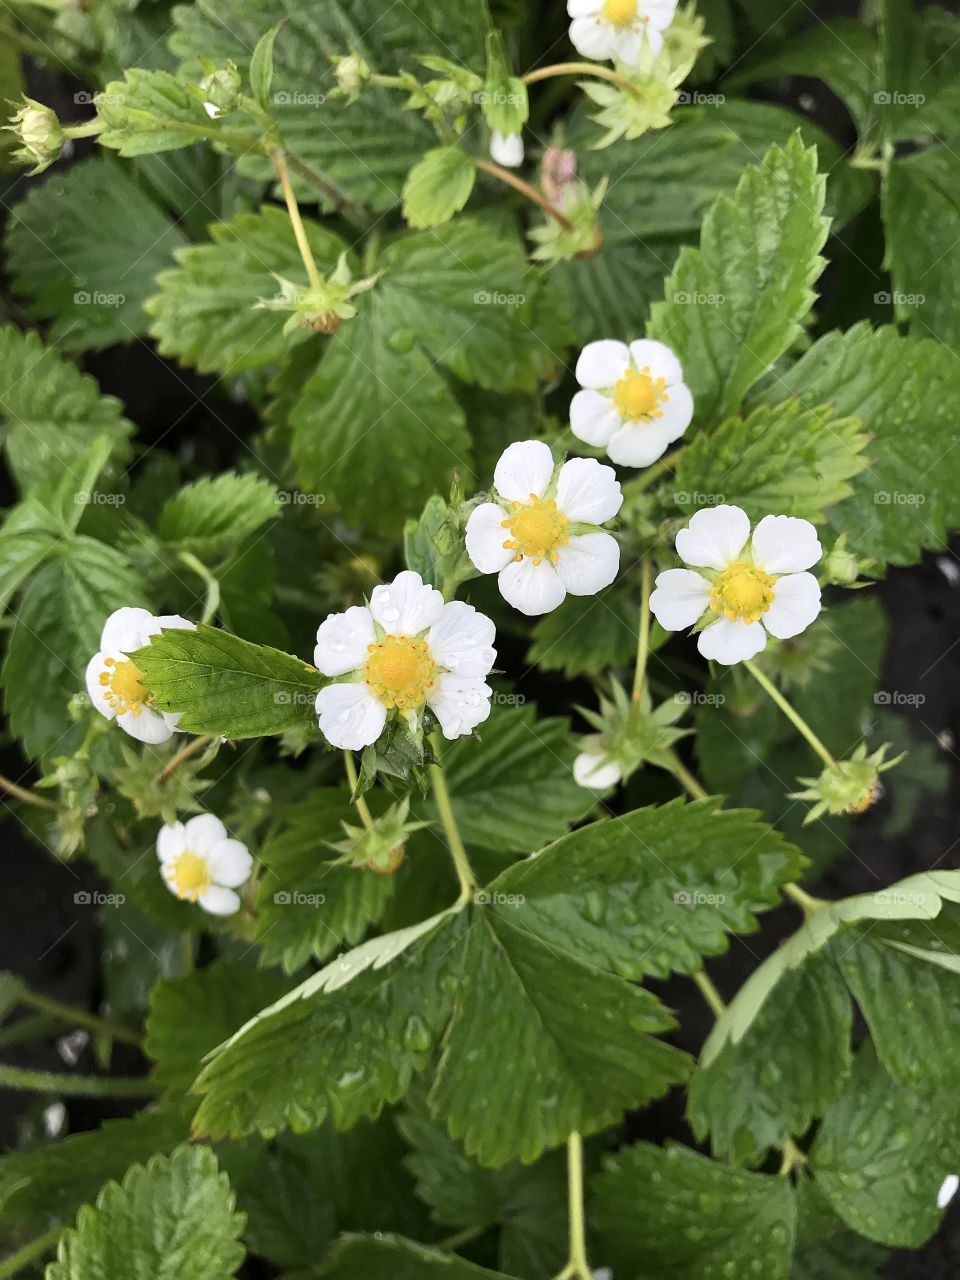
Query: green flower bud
x,y
39,133
221,88
849,786
352,75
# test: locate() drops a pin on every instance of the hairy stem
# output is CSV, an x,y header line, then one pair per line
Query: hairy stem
x,y
578,1268
468,881
525,189
212,603
359,803
184,753
293,209
22,793
30,1252
355,213
582,69
75,1086
643,637
792,715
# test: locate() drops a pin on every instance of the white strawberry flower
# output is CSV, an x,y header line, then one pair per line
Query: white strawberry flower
x,y
200,863
591,769
615,29
113,681
541,533
634,401
407,651
752,585
507,150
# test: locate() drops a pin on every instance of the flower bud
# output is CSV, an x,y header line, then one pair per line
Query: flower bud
x,y
508,150
220,88
39,133
352,75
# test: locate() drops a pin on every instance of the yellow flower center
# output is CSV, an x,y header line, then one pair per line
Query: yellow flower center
x,y
537,529
400,670
638,396
742,592
620,12
124,692
190,876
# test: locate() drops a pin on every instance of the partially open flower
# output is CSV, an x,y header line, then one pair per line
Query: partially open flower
x,y
541,534
39,133
615,28
749,587
200,863
113,681
634,403
849,786
591,769
406,652
508,150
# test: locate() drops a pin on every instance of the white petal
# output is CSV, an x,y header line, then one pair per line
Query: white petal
x,y
524,468
947,1190
230,863
588,492
795,605
148,726
485,536
508,150
637,444
593,418
676,412
785,544
659,13
588,563
350,716
603,363
627,44
406,606
342,641
219,901
462,640
658,357
533,589
679,598
593,38
460,703
729,642
204,832
590,771
96,691
715,537
654,37
171,841
126,629
583,8
169,622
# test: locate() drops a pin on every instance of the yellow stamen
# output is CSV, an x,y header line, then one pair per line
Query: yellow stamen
x,y
537,529
399,671
638,396
620,12
742,592
190,876
124,692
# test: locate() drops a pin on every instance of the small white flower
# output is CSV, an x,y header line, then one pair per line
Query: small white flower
x,y
541,533
614,29
948,1190
749,589
590,770
113,681
406,651
634,401
199,862
508,150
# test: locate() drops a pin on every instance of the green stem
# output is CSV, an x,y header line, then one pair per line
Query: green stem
x,y
213,586
184,753
88,130
667,463
792,715
293,209
578,1268
79,1017
524,188
468,881
355,213
30,1252
23,794
710,993
359,803
686,778
643,638
460,1238
75,1086
808,904
583,69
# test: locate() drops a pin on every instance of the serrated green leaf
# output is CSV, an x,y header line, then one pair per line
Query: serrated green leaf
x,y
652,891
780,458
514,791
789,1067
51,412
438,186
826,1248
191,1015
151,111
393,1258
171,1219
671,1214
28,535
903,391
211,516
307,905
919,69
734,305
881,1155
588,636
84,248
206,310
224,685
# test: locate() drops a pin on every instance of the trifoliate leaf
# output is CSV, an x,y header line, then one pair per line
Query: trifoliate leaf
x,y
789,1067
652,891
84,248
224,685
388,1257
566,641
514,791
734,305
307,904
903,390
882,1153
779,458
171,1219
51,413
438,186
150,111
671,1214
212,516
206,312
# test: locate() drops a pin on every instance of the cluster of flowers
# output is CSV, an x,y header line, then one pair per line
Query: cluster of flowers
x,y
540,530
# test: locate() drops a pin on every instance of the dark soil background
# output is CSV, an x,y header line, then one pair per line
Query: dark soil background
x,y
54,943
